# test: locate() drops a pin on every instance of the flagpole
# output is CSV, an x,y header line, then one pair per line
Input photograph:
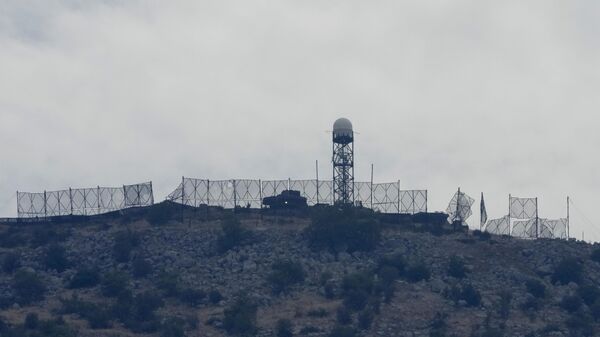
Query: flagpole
x,y
481,213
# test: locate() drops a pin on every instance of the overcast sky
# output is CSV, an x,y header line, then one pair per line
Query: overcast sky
x,y
493,96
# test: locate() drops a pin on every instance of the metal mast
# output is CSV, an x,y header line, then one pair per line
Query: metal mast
x,y
343,162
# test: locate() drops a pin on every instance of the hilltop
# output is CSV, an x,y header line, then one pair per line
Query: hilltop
x,y
318,272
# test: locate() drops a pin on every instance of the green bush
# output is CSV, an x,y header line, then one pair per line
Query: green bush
x,y
161,214
417,272
28,287
580,325
396,261
504,305
456,267
387,275
32,321
214,296
169,283
589,294
141,267
97,317
172,327
284,274
595,256
11,262
284,328
56,328
240,318
365,319
85,278
347,229
466,293
145,305
595,311
192,297
114,283
438,326
125,242
571,303
233,235
568,270
42,236
56,258
343,316
356,290
536,288
342,331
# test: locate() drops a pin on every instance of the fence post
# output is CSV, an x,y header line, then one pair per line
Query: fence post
x,y
317,171
398,188
260,193
371,186
182,196
509,214
234,196
45,206
71,199
426,200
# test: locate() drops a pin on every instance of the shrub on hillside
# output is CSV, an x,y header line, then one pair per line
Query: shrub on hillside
x,y
233,235
31,322
42,236
466,293
595,256
536,288
85,278
456,267
192,297
169,283
172,327
141,267
240,317
284,328
28,287
567,270
114,283
483,236
395,260
214,296
11,262
356,290
341,230
125,242
589,294
342,331
145,304
161,214
571,303
417,272
365,318
98,317
55,258
284,274
343,315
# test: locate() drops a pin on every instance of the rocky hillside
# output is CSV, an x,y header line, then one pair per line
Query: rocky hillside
x,y
268,275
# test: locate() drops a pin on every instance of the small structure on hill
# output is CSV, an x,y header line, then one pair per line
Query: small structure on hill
x,y
343,162
288,199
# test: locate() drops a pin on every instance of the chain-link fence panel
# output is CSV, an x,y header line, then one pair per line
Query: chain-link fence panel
x,y
308,189
385,197
248,193
83,201
523,208
271,188
413,201
499,226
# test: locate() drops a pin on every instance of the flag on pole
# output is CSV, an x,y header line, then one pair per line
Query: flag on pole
x,y
483,212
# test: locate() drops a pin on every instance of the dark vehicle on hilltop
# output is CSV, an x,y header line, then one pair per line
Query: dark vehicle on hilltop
x,y
288,199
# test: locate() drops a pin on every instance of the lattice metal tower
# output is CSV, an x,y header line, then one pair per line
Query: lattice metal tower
x,y
343,162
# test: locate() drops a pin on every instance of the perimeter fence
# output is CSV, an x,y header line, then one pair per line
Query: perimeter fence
x,y
83,201
383,197
523,221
